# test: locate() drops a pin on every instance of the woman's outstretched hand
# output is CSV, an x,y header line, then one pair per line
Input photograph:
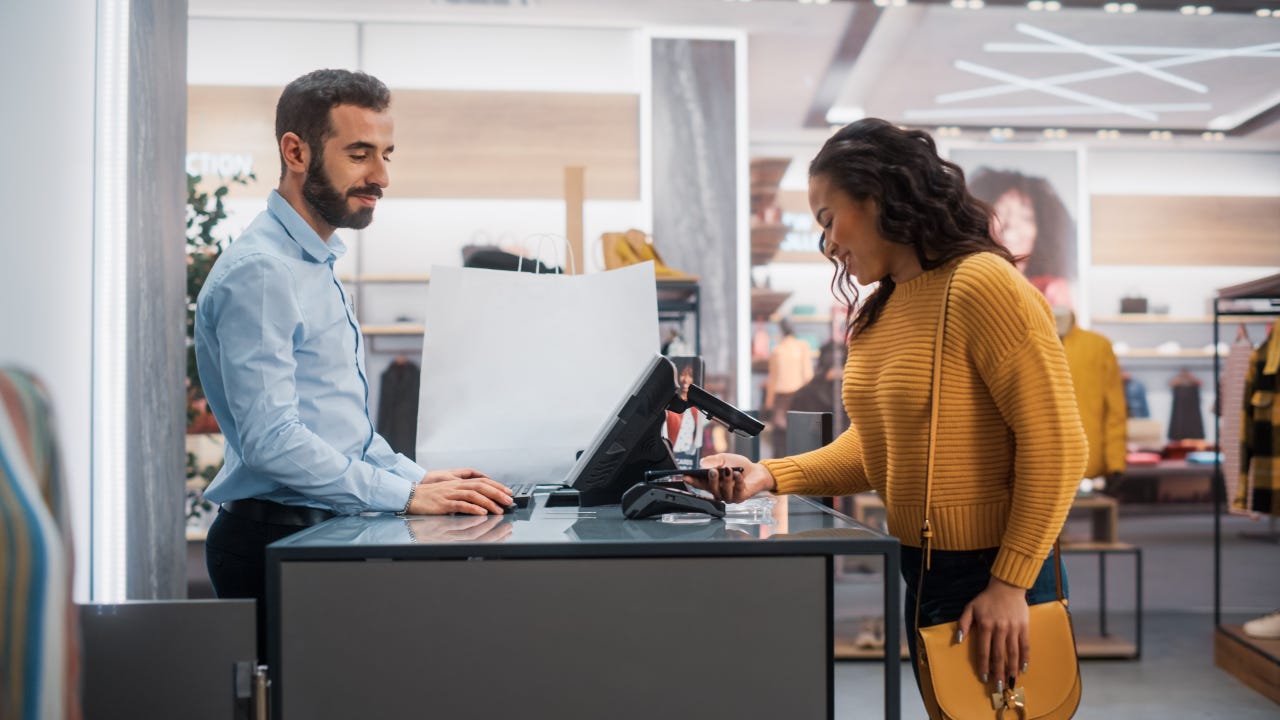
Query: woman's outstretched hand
x,y
732,486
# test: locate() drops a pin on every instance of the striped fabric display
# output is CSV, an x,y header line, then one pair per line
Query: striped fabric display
x,y
37,648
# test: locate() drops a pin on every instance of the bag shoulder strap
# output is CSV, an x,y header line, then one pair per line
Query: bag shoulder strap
x,y
926,528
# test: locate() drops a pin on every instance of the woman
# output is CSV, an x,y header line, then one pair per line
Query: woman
x,y
1010,448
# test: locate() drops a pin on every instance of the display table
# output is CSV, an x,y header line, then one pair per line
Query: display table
x,y
567,613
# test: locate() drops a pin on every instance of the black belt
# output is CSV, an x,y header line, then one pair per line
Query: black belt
x,y
274,513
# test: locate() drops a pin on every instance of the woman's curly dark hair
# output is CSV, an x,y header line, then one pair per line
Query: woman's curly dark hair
x,y
922,201
1055,249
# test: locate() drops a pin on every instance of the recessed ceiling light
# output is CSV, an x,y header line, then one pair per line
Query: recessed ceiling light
x,y
1204,10
1187,9
976,4
1052,5
898,3
1263,12
958,4
1035,5
1128,7
1112,7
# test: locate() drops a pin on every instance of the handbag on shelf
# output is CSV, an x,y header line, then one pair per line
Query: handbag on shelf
x,y
949,681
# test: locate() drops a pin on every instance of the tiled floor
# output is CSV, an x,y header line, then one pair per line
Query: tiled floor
x,y
1176,678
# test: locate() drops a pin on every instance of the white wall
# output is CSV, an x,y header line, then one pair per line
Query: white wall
x,y
46,198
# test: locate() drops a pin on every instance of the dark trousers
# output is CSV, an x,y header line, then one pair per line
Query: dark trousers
x,y
236,554
954,579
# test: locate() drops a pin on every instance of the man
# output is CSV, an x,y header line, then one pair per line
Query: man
x,y
280,353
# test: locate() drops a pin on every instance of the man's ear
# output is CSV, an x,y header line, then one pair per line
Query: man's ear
x,y
296,153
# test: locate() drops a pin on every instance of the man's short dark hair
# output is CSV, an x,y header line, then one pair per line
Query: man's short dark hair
x,y
304,105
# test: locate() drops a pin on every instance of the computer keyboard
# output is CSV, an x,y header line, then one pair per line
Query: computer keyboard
x,y
521,495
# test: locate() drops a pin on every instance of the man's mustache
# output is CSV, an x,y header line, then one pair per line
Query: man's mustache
x,y
373,190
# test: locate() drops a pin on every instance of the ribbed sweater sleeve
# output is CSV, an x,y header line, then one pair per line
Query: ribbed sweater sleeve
x,y
836,469
1016,351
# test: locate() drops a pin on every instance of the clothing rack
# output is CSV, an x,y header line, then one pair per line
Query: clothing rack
x,y
1252,661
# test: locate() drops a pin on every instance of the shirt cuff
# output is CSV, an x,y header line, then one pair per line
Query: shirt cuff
x,y
390,492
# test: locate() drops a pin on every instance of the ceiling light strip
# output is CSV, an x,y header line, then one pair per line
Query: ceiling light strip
x,y
1049,49
1112,58
1035,111
1031,84
1207,55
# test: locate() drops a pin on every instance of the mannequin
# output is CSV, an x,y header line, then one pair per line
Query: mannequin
x,y
1099,394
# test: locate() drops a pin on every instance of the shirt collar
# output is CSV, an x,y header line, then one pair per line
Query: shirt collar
x,y
302,233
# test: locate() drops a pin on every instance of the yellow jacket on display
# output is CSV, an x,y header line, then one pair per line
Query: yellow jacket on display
x,y
1100,397
1010,449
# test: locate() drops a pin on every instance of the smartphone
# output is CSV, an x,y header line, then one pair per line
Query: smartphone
x,y
700,473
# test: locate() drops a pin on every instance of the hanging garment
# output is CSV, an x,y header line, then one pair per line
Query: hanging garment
x,y
1135,398
1259,464
398,406
1185,422
1100,398
1235,369
40,659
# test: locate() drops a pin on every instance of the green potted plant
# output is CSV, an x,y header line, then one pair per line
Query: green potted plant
x,y
205,210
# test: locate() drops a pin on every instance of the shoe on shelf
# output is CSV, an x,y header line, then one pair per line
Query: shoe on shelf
x,y
642,247
1266,627
617,251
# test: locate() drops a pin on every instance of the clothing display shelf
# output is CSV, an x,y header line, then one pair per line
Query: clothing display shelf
x,y
1255,662
1145,332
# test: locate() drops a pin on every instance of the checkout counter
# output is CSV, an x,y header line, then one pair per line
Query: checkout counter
x,y
567,612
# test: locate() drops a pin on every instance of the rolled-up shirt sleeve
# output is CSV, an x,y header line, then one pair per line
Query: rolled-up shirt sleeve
x,y
259,325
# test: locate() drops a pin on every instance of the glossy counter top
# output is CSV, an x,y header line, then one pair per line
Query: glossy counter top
x,y
765,525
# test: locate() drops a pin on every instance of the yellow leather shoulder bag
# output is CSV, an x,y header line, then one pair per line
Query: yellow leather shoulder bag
x,y
949,680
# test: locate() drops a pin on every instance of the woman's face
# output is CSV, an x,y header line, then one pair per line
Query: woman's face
x,y
1017,223
851,232
686,379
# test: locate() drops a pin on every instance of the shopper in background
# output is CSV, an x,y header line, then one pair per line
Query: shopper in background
x,y
790,368
1009,447
280,353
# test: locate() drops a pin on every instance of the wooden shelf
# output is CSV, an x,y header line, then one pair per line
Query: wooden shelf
x,y
844,649
386,279
1174,319
1105,647
1152,354
396,329
1253,661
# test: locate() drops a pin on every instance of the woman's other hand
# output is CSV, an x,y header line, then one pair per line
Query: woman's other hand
x,y
734,487
1001,626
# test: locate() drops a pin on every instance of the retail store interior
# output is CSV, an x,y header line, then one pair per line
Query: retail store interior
x,y
1134,147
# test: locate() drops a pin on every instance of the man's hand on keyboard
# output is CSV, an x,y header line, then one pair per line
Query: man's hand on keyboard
x,y
444,492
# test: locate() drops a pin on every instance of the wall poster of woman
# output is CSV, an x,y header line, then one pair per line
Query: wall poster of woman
x,y
1036,197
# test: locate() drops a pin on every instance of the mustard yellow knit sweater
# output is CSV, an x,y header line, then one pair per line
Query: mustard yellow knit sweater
x,y
1010,447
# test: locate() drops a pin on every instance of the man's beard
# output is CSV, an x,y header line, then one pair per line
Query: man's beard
x,y
331,205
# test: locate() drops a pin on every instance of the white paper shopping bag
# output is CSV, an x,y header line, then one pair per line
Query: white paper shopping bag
x,y
519,370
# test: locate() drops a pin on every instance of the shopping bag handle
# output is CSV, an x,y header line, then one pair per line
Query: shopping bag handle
x,y
573,267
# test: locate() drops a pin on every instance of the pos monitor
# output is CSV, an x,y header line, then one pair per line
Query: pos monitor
x,y
630,441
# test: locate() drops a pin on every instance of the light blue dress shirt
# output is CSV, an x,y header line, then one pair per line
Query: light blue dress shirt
x,y
281,360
